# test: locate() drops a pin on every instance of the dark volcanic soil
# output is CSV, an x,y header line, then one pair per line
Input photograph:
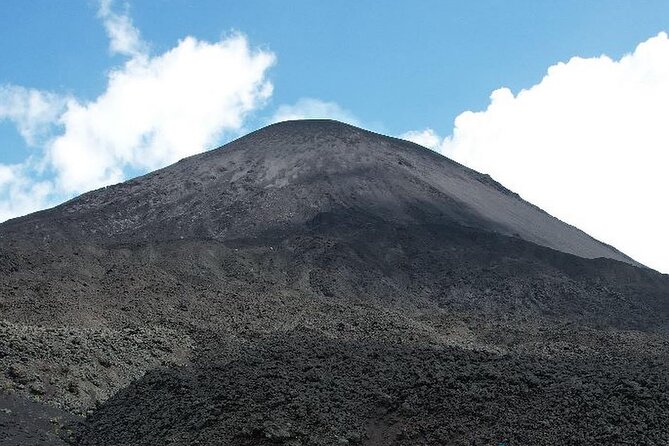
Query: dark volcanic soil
x,y
314,283
26,422
302,388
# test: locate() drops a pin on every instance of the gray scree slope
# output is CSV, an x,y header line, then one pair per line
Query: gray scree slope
x,y
294,170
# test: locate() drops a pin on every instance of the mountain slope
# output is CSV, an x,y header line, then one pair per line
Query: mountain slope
x,y
312,283
287,174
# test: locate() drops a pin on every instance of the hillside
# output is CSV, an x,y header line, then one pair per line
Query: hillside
x,y
316,283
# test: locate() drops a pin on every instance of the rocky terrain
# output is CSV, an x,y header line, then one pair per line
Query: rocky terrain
x,y
315,283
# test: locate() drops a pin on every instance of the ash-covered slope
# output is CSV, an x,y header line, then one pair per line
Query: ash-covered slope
x,y
315,283
292,172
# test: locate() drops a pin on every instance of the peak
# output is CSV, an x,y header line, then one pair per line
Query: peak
x,y
312,124
308,127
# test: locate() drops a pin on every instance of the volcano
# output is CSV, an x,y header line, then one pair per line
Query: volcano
x,y
317,283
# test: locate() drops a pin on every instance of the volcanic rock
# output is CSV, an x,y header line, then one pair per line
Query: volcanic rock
x,y
316,283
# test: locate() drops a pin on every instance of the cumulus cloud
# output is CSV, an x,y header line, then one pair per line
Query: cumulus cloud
x,y
33,112
589,144
155,110
310,108
426,138
20,193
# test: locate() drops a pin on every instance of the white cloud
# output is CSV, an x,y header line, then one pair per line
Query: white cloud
x,y
589,144
32,111
34,114
124,38
426,138
19,193
155,110
310,108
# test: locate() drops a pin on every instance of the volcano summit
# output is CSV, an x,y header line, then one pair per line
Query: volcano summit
x,y
313,283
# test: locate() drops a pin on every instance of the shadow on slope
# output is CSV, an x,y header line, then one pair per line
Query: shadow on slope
x,y
301,388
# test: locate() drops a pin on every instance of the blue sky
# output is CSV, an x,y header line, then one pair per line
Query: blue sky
x,y
402,68
397,66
